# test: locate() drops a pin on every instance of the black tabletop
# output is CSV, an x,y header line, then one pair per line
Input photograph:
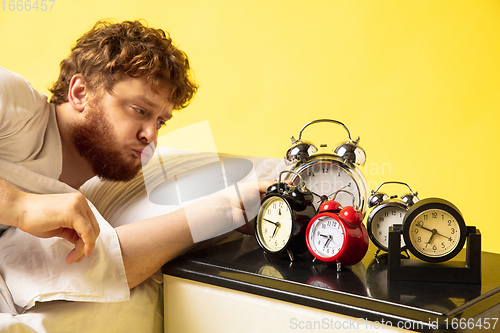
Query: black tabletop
x,y
361,291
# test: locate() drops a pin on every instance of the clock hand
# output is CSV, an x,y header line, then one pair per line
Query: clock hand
x,y
278,225
439,234
322,198
327,242
275,223
316,194
340,189
422,226
434,232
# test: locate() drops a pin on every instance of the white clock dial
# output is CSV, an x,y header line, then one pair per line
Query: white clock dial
x,y
324,178
326,236
435,233
384,218
274,224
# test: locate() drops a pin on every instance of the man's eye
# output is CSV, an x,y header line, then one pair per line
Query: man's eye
x,y
140,111
160,123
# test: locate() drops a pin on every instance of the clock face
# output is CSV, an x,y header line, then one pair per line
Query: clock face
x,y
273,226
326,237
434,233
325,177
383,217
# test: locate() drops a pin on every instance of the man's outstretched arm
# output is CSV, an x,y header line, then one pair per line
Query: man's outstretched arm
x,y
148,244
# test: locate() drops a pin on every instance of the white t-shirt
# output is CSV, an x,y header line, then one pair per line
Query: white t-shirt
x,y
29,136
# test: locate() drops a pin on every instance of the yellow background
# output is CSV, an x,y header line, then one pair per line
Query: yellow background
x,y
418,81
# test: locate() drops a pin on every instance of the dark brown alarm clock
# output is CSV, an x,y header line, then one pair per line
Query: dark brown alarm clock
x,y
283,216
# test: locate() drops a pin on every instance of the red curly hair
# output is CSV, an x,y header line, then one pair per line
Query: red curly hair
x,y
112,51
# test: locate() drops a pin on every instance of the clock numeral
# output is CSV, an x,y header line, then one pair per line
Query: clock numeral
x,y
443,246
394,213
449,223
452,231
419,239
426,217
434,215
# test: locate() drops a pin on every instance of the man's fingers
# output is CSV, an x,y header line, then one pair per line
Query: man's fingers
x,y
77,253
93,221
88,230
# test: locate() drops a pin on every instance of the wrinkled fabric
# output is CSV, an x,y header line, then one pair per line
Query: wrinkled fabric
x,y
35,269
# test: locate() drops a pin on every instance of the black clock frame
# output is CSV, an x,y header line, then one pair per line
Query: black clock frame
x,y
468,271
428,204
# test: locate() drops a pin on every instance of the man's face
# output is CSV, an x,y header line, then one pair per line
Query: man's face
x,y
120,129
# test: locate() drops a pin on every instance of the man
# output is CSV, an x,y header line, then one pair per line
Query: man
x,y
119,85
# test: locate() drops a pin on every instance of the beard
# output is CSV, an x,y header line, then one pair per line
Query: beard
x,y
95,141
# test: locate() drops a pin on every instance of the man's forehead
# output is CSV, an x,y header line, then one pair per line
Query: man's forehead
x,y
140,89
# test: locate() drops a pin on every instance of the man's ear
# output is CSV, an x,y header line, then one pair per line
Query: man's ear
x,y
79,92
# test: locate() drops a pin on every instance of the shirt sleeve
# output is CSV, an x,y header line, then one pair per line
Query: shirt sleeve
x,y
28,128
18,103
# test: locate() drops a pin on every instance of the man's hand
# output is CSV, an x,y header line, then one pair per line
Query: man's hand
x,y
245,205
59,215
232,208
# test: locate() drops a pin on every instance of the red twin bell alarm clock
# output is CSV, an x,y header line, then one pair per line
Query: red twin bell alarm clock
x,y
337,234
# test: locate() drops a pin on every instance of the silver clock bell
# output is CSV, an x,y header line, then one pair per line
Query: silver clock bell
x,y
349,151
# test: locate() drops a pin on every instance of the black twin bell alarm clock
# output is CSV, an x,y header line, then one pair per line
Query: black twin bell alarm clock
x,y
283,217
